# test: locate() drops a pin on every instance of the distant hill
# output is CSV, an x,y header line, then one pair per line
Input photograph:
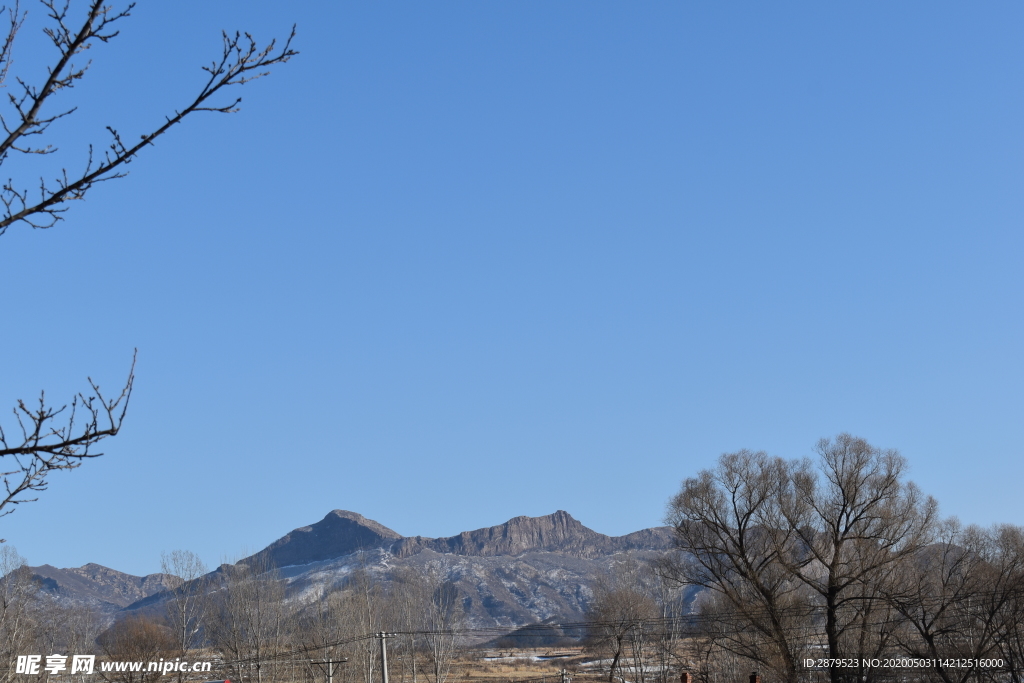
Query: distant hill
x,y
101,588
527,570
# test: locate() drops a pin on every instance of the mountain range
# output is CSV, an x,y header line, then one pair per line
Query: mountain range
x,y
526,570
97,587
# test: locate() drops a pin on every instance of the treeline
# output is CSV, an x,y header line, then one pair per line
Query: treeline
x,y
33,621
239,617
842,559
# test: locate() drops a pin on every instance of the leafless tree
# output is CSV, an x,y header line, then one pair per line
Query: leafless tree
x,y
721,519
929,588
17,594
407,598
716,664
187,604
793,547
621,615
135,639
423,611
63,627
324,628
48,437
248,619
420,610
960,599
670,598
842,533
367,607
1005,597
34,620
443,619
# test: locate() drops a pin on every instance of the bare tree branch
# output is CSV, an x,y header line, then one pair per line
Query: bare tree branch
x,y
241,61
50,439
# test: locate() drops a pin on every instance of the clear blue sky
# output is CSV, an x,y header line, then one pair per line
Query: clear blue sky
x,y
459,262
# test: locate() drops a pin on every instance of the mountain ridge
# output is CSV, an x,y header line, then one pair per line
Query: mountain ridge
x,y
524,570
103,588
343,532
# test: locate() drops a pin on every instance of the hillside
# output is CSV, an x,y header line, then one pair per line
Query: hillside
x,y
525,570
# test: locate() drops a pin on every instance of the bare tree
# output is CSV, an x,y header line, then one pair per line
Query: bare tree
x,y
135,639
248,621
928,589
322,627
443,619
187,605
1005,597
48,438
721,519
59,626
622,612
366,605
17,594
33,620
842,533
960,599
407,597
801,553
670,597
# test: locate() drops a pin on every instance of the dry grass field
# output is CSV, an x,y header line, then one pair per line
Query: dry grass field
x,y
534,665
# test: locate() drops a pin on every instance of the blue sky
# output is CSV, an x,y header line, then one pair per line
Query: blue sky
x,y
458,262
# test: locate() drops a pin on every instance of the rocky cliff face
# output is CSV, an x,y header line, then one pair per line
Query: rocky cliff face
x,y
553,533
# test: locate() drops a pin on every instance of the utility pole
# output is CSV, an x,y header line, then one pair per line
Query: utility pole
x,y
330,662
384,655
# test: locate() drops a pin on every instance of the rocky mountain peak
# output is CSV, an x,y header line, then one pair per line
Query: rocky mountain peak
x,y
339,533
356,518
